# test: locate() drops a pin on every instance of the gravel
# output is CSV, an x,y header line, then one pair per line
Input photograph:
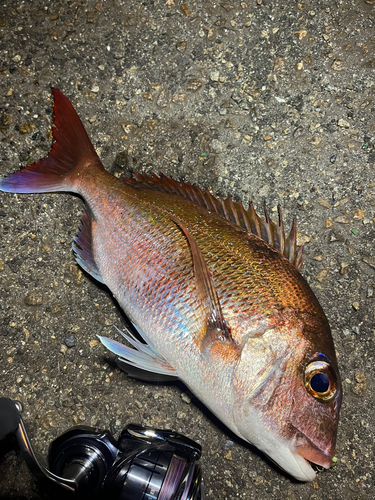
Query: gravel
x,y
259,100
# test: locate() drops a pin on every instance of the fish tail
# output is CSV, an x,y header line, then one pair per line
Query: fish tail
x,y
71,153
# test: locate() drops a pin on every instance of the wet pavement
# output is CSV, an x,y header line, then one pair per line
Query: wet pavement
x,y
259,100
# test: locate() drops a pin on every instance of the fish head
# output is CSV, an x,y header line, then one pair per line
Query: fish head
x,y
287,395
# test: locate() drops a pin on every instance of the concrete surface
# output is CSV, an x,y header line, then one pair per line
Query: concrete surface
x,y
262,100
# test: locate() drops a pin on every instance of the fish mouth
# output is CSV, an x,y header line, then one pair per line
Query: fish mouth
x,y
313,454
303,461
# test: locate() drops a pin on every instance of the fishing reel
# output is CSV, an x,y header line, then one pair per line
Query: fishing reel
x,y
143,464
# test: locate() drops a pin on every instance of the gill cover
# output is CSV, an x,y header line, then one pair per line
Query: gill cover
x,y
277,403
258,379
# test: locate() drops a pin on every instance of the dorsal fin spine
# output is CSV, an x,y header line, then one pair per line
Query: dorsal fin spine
x,y
267,227
281,231
234,207
291,240
299,257
249,220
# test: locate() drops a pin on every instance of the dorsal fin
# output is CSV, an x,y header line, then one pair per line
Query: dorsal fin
x,y
267,230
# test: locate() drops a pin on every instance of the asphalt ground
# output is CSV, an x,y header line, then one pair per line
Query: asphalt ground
x,y
260,100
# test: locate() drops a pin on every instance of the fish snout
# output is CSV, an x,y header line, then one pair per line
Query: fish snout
x,y
316,441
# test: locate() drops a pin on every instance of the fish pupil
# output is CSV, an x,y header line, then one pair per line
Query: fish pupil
x,y
319,382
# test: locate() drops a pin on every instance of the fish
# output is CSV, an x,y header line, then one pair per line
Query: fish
x,y
214,293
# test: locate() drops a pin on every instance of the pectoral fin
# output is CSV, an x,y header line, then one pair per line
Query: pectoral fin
x,y
142,362
216,328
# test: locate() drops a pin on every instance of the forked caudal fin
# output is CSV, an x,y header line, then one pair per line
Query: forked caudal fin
x,y
71,151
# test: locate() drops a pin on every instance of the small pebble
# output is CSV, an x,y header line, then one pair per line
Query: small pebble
x,y
370,261
217,146
343,268
211,34
301,34
48,421
298,132
181,46
63,349
78,416
27,127
337,65
91,17
302,239
185,398
33,299
185,9
359,389
324,203
70,341
193,84
6,119
342,219
343,124
360,377
279,64
322,275
316,140
335,237
358,214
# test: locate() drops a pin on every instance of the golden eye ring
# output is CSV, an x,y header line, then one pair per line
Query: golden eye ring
x,y
320,380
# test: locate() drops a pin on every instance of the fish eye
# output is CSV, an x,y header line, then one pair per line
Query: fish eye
x,y
320,380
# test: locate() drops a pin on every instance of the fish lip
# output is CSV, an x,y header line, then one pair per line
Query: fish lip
x,y
315,455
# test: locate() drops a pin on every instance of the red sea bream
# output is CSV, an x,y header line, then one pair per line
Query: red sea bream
x,y
213,290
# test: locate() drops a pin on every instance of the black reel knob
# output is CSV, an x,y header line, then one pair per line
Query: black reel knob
x,y
84,456
10,416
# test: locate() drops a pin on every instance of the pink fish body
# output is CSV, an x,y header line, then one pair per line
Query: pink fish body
x,y
213,290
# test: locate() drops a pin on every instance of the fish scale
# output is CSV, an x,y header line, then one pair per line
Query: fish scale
x,y
235,261
213,290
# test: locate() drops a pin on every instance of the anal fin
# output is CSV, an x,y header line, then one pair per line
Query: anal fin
x,y
83,246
